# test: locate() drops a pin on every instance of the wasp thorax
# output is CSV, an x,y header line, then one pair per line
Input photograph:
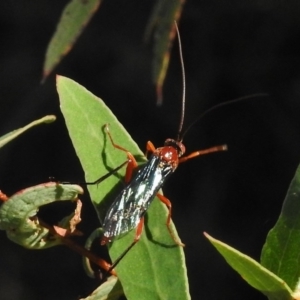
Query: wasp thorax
x,y
169,153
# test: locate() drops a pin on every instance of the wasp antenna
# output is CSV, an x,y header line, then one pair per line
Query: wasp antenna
x,y
241,99
183,83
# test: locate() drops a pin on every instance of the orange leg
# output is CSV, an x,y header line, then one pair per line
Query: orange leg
x,y
92,257
81,250
132,164
149,148
202,152
138,233
139,230
167,202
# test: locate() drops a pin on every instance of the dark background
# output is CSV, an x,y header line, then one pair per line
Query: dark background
x,y
231,49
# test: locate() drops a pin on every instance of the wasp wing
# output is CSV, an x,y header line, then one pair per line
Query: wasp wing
x,y
132,203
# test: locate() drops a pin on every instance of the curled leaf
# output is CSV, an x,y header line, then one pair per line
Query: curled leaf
x,y
18,214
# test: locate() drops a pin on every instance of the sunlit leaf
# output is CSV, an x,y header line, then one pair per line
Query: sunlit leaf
x,y
161,24
149,269
74,18
280,253
254,273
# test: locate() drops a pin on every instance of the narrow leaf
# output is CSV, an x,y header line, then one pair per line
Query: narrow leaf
x,y
15,133
74,18
280,253
161,23
149,268
255,274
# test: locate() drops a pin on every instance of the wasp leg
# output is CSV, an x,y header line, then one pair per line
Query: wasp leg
x,y
137,237
131,163
149,148
97,233
167,202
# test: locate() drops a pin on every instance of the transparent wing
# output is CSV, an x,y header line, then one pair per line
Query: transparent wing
x,y
134,200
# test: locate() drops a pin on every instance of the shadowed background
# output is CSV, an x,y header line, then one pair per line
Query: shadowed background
x,y
231,49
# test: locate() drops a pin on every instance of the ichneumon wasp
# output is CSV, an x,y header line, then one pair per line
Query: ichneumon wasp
x,y
128,209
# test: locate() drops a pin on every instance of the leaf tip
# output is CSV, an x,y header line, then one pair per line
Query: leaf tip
x,y
159,94
206,235
49,119
58,79
44,77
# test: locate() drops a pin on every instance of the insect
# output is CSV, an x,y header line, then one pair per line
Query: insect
x,y
128,209
18,217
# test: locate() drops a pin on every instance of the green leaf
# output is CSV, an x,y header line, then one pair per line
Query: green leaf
x,y
161,23
148,269
255,274
15,133
18,214
280,253
111,287
74,18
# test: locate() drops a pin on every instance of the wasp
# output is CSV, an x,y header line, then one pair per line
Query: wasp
x,y
128,209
